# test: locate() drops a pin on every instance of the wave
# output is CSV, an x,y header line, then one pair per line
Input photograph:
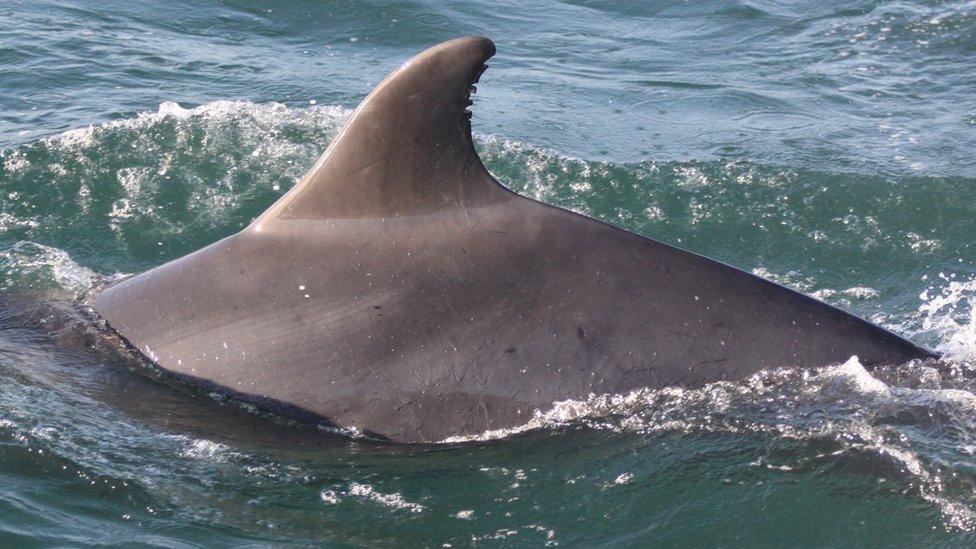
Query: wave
x,y
163,183
883,417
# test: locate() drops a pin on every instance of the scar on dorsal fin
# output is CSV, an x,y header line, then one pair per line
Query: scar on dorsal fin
x,y
406,150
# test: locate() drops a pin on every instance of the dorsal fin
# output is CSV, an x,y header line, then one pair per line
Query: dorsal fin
x,y
407,148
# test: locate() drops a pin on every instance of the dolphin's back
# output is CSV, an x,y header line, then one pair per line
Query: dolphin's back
x,y
399,290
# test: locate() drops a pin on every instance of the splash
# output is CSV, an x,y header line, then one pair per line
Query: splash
x,y
949,310
36,266
879,416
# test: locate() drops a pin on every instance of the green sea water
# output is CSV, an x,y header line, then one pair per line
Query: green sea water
x,y
825,145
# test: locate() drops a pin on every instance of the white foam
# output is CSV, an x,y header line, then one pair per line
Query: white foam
x,y
33,261
849,378
203,449
330,497
393,501
9,221
623,478
950,312
14,161
846,405
272,113
366,492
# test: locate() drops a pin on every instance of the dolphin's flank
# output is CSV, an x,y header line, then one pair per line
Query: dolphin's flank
x,y
398,289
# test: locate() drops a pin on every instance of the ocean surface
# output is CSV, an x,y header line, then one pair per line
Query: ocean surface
x,y
827,145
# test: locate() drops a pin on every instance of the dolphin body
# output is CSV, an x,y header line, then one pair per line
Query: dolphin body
x,y
401,291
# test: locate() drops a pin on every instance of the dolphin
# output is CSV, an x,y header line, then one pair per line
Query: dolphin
x,y
400,291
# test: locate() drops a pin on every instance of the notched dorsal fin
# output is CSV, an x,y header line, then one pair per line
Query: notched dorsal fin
x,y
407,149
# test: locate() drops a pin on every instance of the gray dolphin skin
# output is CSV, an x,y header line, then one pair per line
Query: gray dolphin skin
x,y
401,291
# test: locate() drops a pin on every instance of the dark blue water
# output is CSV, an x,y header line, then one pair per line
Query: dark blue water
x,y
826,145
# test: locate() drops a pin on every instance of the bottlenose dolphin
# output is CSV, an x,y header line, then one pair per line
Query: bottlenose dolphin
x,y
398,289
